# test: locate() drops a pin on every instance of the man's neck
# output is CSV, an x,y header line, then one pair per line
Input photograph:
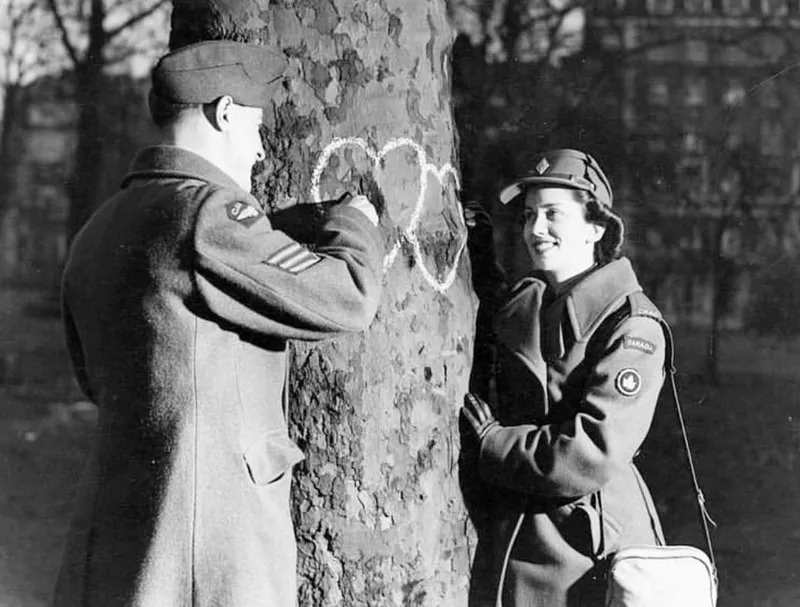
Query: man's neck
x,y
197,142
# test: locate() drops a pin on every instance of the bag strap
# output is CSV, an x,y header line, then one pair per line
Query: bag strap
x,y
636,306
669,366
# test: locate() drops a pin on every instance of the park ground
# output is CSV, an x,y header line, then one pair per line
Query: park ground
x,y
745,434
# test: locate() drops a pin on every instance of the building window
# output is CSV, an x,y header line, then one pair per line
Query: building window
x,y
734,94
612,6
695,93
772,138
692,144
777,8
658,91
697,6
735,7
660,7
697,51
769,94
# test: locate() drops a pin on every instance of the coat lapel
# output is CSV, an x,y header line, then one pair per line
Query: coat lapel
x,y
589,301
518,328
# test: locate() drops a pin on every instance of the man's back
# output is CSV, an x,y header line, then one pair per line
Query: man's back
x,y
177,309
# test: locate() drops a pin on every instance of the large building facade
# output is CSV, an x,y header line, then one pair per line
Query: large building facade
x,y
33,230
710,111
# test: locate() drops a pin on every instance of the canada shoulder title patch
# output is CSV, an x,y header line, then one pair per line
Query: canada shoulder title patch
x,y
628,382
243,213
637,343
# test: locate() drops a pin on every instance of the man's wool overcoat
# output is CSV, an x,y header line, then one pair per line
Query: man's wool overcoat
x,y
178,299
578,377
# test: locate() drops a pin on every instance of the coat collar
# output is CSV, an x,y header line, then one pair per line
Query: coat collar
x,y
518,323
591,299
168,161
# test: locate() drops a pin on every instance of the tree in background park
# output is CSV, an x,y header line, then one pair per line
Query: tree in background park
x,y
97,36
28,48
379,514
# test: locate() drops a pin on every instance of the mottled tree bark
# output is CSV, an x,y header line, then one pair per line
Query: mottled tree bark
x,y
380,518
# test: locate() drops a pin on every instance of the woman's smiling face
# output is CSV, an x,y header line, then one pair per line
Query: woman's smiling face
x,y
559,238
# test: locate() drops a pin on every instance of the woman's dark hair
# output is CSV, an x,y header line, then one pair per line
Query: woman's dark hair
x,y
609,247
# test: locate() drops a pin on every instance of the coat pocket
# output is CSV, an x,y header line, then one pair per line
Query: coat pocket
x,y
585,529
267,462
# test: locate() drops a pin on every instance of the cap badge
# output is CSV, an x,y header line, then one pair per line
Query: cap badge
x,y
629,382
542,166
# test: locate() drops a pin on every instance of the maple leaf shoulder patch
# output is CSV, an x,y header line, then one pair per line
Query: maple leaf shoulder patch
x,y
243,213
628,382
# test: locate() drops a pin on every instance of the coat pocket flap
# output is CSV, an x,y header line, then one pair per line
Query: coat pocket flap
x,y
586,530
269,461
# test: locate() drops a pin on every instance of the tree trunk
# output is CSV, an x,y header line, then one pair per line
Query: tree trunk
x,y
86,176
86,173
712,356
379,514
9,149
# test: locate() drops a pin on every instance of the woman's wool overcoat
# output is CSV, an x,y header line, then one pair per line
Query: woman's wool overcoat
x,y
578,376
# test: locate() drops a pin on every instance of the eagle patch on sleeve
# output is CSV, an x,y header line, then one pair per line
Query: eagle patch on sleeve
x,y
243,213
294,258
637,343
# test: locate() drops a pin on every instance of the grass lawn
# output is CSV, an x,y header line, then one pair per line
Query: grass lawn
x,y
745,435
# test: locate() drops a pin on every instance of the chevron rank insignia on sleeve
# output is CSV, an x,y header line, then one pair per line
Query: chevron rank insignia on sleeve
x,y
294,258
243,213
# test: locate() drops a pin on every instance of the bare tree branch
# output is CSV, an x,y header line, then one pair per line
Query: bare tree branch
x,y
68,46
121,54
134,19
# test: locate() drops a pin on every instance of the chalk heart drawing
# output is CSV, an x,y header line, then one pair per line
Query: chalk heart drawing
x,y
427,170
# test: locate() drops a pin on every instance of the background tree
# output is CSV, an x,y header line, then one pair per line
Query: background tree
x,y
96,36
27,49
379,514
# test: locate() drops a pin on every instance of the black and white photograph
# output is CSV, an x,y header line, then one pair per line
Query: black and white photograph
x,y
399,303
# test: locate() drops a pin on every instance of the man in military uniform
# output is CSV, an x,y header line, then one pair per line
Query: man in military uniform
x,y
178,298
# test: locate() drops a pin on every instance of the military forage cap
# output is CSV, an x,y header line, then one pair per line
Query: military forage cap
x,y
567,168
205,71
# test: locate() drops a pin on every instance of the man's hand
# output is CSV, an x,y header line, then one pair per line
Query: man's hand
x,y
363,204
478,414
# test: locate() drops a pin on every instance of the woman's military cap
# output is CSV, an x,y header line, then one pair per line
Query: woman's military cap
x,y
579,171
202,72
566,168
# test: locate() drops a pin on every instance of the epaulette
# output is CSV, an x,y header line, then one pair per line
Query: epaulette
x,y
640,305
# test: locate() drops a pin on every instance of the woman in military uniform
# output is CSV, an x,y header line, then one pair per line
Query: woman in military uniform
x,y
580,363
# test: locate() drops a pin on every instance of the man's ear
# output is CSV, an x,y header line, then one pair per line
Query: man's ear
x,y
218,112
